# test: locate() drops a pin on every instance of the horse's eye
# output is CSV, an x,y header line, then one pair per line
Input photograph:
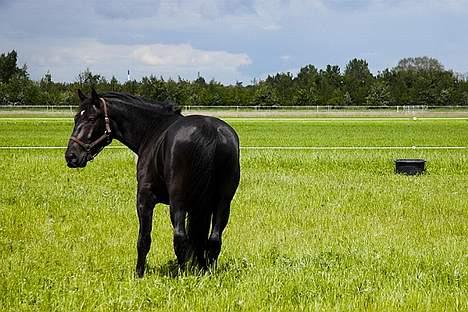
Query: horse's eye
x,y
92,119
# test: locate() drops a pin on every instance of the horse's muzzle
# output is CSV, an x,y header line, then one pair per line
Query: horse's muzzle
x,y
74,161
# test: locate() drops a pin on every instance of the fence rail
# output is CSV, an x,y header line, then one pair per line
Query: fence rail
x,y
311,108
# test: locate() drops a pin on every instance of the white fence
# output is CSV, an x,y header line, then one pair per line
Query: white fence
x,y
247,108
329,108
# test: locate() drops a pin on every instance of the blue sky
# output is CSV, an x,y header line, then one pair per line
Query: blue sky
x,y
236,40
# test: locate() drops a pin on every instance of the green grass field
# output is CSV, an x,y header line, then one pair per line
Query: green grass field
x,y
309,229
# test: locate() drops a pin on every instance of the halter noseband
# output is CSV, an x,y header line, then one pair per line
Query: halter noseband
x,y
106,137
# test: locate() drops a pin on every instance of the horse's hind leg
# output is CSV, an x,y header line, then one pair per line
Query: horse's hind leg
x,y
182,246
219,222
198,229
227,183
145,205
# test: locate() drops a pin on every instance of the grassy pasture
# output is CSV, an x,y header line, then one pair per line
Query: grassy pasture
x,y
309,230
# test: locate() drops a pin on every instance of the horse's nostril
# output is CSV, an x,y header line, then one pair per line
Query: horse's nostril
x,y
71,157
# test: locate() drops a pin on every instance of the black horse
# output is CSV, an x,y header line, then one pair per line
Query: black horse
x,y
188,162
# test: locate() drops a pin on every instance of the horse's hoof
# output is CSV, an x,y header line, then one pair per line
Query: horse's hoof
x,y
139,273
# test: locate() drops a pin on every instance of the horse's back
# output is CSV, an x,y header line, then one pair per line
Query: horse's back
x,y
203,131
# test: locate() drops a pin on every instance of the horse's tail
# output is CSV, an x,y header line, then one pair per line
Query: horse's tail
x,y
203,185
203,169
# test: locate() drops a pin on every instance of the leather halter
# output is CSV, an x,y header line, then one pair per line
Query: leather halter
x,y
106,137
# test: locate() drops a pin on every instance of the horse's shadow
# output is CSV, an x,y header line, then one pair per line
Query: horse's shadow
x,y
171,269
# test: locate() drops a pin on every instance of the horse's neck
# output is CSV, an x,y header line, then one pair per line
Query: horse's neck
x,y
133,126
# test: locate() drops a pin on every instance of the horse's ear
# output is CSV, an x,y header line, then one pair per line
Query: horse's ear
x,y
94,94
81,96
95,98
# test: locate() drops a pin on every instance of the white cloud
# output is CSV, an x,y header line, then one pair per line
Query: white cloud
x,y
184,55
143,60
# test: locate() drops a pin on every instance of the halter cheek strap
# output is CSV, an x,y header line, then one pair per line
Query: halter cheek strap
x,y
106,137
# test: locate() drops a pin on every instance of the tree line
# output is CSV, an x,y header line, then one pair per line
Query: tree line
x,y
414,81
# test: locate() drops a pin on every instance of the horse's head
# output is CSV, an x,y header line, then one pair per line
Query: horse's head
x,y
91,132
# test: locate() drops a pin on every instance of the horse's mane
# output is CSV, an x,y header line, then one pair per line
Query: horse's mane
x,y
133,100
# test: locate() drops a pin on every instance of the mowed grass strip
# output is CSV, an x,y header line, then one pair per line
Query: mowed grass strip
x,y
310,230
277,133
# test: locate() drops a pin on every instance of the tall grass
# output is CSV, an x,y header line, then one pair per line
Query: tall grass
x,y
309,230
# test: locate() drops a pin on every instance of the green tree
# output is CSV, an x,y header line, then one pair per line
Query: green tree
x,y
339,97
282,83
357,81
153,88
131,86
48,93
422,81
20,90
423,63
174,91
200,81
114,84
265,95
87,80
330,86
379,94
9,67
414,81
16,87
307,77
306,96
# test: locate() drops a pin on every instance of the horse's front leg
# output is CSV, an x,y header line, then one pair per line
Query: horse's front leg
x,y
145,205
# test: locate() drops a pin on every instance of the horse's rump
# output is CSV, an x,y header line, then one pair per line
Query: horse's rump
x,y
193,153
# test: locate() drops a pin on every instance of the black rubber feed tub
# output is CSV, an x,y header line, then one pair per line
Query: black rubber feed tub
x,y
410,166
